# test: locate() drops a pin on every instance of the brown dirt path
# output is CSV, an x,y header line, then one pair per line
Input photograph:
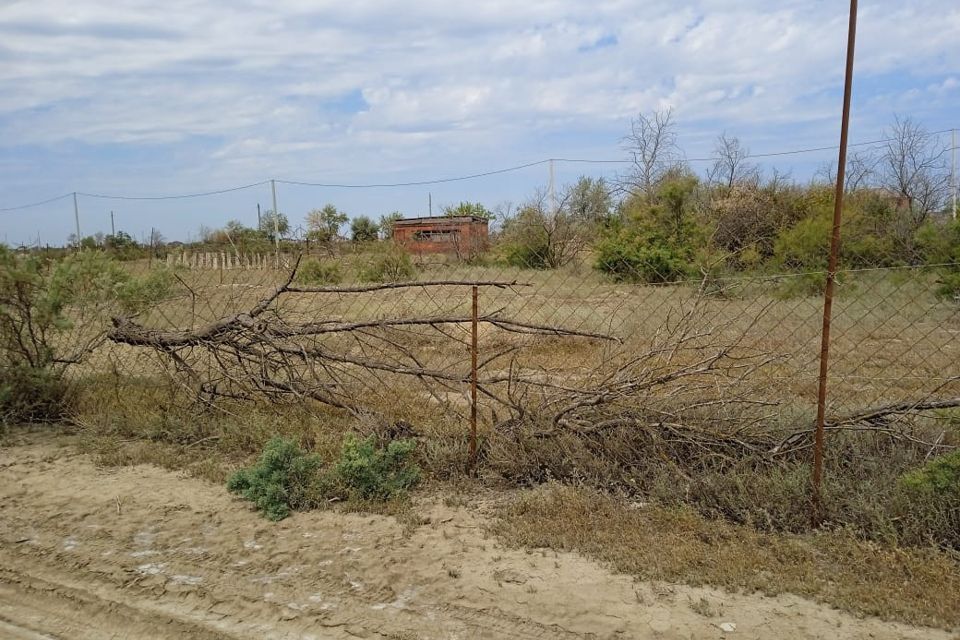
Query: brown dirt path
x,y
141,552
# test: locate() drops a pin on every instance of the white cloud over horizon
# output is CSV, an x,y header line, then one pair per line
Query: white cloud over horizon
x,y
145,97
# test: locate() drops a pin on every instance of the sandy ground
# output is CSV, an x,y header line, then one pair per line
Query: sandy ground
x,y
90,553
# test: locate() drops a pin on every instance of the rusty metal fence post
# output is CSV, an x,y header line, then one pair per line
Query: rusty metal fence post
x,y
473,380
817,479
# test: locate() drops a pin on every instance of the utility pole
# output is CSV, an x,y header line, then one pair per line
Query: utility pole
x,y
430,204
76,217
113,228
259,222
276,220
552,191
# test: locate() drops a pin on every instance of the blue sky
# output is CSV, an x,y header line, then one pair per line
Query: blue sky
x,y
145,98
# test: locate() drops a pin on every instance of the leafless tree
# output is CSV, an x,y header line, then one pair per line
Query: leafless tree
x,y
861,171
913,165
731,165
653,150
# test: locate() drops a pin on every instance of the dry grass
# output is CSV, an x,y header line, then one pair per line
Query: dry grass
x,y
677,545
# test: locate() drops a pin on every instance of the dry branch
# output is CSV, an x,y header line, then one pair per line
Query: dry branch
x,y
369,288
335,362
877,420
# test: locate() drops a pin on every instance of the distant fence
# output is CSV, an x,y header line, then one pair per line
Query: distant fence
x,y
226,260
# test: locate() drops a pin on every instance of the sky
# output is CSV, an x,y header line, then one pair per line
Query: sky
x,y
137,98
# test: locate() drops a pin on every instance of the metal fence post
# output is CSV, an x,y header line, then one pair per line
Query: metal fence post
x,y
473,381
817,479
276,220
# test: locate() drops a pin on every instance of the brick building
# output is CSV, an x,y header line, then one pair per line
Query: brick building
x,y
463,236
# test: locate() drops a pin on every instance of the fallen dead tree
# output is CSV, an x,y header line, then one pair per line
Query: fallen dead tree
x,y
261,353
691,388
688,374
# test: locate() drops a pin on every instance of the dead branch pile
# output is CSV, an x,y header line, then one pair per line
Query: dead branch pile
x,y
261,353
690,387
266,353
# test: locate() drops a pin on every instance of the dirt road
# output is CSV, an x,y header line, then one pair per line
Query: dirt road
x,y
90,553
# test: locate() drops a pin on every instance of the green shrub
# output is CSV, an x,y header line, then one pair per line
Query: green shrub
x,y
532,254
929,502
368,472
805,246
801,285
283,479
315,271
286,479
136,294
634,258
394,265
363,229
30,394
939,477
938,243
948,285
870,250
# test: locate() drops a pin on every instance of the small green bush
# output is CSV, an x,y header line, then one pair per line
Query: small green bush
x,y
939,477
137,294
938,243
805,246
533,254
29,394
368,472
363,229
948,285
283,479
928,503
394,265
631,258
801,285
315,271
286,479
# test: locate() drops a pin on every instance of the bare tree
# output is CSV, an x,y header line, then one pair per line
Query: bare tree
x,y
914,166
730,165
861,171
652,145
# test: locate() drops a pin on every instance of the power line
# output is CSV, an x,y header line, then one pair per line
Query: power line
x,y
174,197
37,204
419,183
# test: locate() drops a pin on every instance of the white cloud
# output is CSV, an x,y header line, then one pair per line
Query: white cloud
x,y
266,86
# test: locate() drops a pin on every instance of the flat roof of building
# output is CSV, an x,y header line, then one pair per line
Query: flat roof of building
x,y
436,219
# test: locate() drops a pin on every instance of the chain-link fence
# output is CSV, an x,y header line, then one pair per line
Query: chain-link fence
x,y
372,329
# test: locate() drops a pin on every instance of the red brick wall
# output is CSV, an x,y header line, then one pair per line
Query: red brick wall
x,y
439,236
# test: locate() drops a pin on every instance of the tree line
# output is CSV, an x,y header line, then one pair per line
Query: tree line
x,y
660,220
